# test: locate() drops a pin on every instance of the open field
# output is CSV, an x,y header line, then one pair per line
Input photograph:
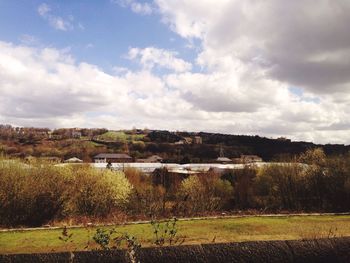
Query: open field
x,y
120,136
194,232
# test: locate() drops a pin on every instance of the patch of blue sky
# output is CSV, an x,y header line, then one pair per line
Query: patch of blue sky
x,y
191,51
102,31
300,93
296,91
311,99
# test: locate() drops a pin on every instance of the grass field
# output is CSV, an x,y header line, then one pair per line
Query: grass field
x,y
120,136
194,232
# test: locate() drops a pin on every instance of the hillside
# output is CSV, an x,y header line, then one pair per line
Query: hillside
x,y
181,147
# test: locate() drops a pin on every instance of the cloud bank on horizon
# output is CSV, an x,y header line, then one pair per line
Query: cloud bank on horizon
x,y
272,68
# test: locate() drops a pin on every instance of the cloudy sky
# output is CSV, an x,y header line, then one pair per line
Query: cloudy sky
x,y
272,68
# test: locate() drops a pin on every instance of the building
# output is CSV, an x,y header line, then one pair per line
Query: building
x,y
76,134
197,140
223,160
73,160
113,158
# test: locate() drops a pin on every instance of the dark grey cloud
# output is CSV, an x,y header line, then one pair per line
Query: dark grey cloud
x,y
215,102
303,43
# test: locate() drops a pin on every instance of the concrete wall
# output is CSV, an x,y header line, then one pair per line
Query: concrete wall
x,y
335,250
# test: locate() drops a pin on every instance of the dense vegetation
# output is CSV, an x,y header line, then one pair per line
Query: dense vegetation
x,y
233,146
36,193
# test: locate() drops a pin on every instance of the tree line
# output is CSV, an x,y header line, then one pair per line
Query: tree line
x,y
37,193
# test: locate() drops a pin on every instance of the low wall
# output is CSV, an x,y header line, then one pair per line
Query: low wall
x,y
335,250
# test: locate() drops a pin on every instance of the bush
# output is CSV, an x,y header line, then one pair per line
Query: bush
x,y
320,183
30,195
98,192
243,180
206,193
37,193
280,187
148,200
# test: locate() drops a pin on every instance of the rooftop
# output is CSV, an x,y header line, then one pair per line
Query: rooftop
x,y
73,160
223,159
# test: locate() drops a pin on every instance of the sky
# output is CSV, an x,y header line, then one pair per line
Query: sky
x,y
270,68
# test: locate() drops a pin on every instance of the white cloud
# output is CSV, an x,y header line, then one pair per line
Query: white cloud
x,y
55,21
60,24
28,39
139,8
136,6
46,87
151,57
43,9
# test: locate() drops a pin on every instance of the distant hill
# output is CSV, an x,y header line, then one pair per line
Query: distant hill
x,y
235,145
180,147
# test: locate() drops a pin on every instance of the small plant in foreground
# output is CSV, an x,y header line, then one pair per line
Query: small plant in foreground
x,y
132,246
166,232
319,233
104,238
332,232
66,237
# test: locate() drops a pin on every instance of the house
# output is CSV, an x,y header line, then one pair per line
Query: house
x,y
151,159
73,160
76,134
250,159
113,158
223,160
54,136
197,140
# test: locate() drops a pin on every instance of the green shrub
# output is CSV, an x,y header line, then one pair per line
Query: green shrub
x,y
280,186
30,195
98,192
34,194
206,193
